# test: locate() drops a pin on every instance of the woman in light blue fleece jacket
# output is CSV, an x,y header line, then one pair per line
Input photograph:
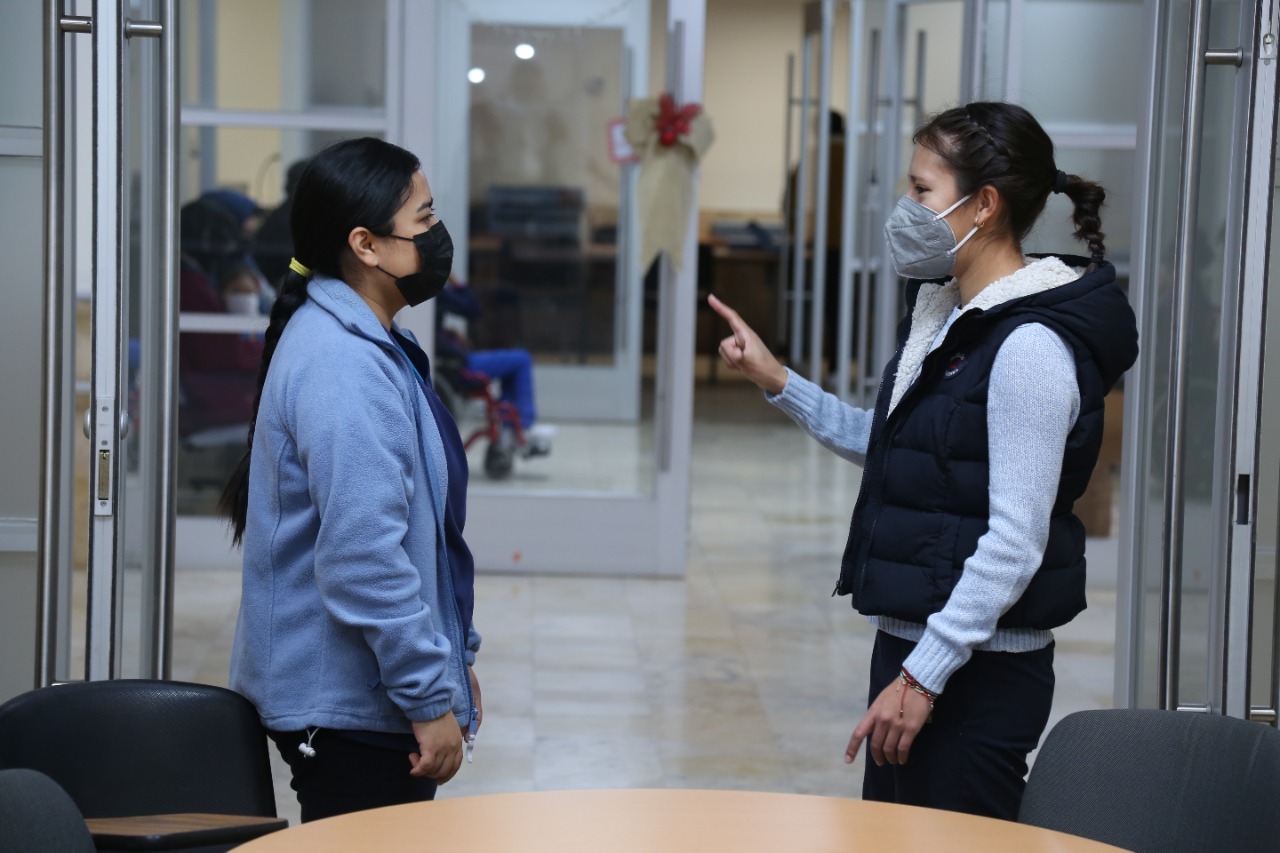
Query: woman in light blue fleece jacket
x,y
963,549
354,639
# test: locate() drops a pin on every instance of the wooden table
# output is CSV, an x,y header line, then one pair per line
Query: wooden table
x,y
644,821
177,831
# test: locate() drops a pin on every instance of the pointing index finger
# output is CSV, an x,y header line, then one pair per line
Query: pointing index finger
x,y
731,316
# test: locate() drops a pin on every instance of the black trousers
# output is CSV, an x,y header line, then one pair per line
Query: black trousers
x,y
973,756
348,776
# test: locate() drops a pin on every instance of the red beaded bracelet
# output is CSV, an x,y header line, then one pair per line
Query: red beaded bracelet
x,y
909,680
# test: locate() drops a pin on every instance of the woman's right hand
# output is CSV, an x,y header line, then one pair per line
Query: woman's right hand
x,y
746,353
439,749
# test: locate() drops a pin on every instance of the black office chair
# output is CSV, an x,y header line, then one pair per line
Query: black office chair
x,y
1165,781
139,747
36,816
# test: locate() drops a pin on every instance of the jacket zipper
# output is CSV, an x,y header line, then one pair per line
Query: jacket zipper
x,y
463,676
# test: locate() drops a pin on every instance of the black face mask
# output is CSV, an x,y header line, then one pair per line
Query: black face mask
x,y
435,253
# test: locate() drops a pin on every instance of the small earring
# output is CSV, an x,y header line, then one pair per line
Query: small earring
x,y
978,223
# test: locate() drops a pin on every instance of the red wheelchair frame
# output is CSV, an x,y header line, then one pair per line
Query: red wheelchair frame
x,y
502,425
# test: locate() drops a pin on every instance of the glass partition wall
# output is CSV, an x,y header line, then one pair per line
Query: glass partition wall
x,y
1198,558
543,224
264,86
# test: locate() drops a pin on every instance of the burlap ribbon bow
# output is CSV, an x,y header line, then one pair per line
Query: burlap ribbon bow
x,y
671,140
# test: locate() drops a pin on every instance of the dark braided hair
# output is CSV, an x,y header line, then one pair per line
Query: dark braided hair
x,y
357,182
988,143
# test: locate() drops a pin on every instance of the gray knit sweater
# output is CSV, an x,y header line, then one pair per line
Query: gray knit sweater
x,y
1032,404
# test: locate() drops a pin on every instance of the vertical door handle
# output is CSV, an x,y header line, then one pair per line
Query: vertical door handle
x,y
165,386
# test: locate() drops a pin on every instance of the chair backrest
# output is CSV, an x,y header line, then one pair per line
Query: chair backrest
x,y
1164,781
134,747
36,816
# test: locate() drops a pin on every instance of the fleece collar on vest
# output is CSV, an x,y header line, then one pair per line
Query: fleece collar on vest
x,y
935,302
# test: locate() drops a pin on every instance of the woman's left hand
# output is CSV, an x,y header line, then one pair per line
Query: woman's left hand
x,y
892,723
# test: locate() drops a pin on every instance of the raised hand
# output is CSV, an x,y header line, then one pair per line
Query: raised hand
x,y
746,353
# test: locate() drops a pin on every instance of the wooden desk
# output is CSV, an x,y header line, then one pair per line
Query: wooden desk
x,y
746,279
177,831
644,821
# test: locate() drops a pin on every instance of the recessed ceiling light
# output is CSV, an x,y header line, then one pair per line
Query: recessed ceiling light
x,y
476,75
524,51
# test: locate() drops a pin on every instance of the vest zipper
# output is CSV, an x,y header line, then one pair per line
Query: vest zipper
x,y
858,575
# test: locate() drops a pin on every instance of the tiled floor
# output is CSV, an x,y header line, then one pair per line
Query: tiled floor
x,y
746,674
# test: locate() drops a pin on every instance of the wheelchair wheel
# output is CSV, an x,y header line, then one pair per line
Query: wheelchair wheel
x,y
499,459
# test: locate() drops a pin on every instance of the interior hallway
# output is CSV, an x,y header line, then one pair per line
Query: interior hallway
x,y
746,675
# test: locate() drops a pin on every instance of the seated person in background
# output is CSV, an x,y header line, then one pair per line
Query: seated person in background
x,y
217,372
248,218
512,368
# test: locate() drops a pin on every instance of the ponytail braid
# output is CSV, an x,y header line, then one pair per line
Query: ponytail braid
x,y
234,502
1088,198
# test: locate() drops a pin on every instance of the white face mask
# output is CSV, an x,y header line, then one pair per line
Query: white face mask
x,y
921,243
242,303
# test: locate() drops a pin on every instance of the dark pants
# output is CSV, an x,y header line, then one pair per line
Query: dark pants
x,y
348,776
973,756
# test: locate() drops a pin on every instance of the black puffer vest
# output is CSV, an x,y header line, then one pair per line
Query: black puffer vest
x,y
923,502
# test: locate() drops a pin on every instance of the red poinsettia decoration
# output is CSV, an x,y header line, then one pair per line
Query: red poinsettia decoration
x,y
672,123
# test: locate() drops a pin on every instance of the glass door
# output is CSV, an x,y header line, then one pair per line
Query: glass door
x,y
1197,597
546,228
547,214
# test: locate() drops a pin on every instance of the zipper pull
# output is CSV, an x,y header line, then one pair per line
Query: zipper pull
x,y
471,734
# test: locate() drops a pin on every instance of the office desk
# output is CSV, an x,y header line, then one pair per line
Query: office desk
x,y
643,821
747,279
576,282
178,831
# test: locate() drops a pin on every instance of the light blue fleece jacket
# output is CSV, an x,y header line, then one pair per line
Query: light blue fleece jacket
x,y
348,618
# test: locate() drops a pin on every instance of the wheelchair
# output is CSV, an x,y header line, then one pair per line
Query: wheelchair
x,y
502,428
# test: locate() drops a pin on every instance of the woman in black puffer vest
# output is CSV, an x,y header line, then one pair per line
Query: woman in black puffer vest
x,y
963,549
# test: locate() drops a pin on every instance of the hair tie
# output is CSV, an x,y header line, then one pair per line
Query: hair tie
x,y
300,268
1060,182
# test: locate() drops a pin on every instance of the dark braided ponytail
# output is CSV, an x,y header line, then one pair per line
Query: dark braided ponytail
x,y
1088,198
988,143
357,182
